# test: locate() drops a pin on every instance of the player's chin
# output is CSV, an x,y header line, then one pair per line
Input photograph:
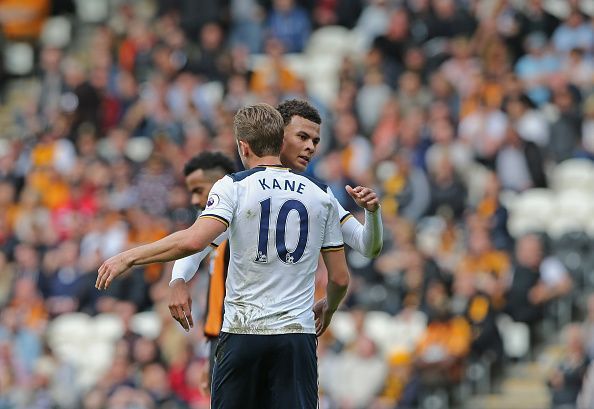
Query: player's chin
x,y
299,167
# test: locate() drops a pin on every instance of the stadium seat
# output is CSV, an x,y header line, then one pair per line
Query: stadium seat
x,y
377,326
531,211
57,32
139,149
18,58
329,40
520,225
410,329
535,203
574,210
108,327
298,63
574,174
357,44
343,327
68,327
516,337
147,324
212,92
92,11
323,89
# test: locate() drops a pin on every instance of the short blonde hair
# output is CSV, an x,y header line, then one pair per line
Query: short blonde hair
x,y
261,127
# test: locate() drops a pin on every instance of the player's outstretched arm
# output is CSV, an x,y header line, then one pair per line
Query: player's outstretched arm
x,y
368,238
336,289
185,268
177,245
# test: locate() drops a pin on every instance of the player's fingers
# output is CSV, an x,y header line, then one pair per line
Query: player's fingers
x,y
107,281
101,278
188,312
98,277
365,192
320,330
183,318
367,197
350,191
175,315
374,201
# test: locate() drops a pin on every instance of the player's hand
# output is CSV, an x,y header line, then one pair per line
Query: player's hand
x,y
322,316
180,304
110,269
364,197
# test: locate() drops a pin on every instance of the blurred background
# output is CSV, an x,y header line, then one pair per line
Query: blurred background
x,y
473,119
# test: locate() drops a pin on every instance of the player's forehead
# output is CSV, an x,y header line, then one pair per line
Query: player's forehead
x,y
298,125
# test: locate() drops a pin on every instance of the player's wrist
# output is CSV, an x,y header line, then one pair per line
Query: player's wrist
x,y
374,211
129,258
177,281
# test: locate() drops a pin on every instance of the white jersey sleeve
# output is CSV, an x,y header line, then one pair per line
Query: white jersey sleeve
x,y
186,267
366,238
221,202
332,234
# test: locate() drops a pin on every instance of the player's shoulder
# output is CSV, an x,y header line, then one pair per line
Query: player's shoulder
x,y
242,175
317,182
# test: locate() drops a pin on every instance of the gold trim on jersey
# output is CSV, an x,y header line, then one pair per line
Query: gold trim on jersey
x,y
215,217
333,248
345,218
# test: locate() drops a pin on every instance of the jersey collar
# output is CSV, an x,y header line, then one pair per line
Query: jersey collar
x,y
273,166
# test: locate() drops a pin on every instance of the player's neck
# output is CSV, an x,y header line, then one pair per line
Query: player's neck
x,y
264,160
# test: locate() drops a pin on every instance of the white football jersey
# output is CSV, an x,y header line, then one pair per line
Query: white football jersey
x,y
278,222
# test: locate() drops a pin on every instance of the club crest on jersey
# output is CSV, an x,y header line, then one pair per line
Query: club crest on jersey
x,y
213,201
261,258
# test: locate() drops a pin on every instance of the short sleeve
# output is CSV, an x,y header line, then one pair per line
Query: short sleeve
x,y
221,201
332,233
343,215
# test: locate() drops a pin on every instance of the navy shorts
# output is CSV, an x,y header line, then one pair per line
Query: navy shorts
x,y
212,343
265,372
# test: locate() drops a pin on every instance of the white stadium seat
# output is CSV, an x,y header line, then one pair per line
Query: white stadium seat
x,y
531,211
56,32
329,40
342,327
147,324
92,11
18,58
574,174
108,327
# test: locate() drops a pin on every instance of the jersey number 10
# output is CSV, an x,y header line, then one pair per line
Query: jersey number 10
x,y
286,256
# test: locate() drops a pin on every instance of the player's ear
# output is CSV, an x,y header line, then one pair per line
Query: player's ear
x,y
244,149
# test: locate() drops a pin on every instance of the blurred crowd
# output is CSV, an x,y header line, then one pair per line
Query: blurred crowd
x,y
441,106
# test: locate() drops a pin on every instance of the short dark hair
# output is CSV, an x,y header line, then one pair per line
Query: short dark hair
x,y
298,107
261,127
209,161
